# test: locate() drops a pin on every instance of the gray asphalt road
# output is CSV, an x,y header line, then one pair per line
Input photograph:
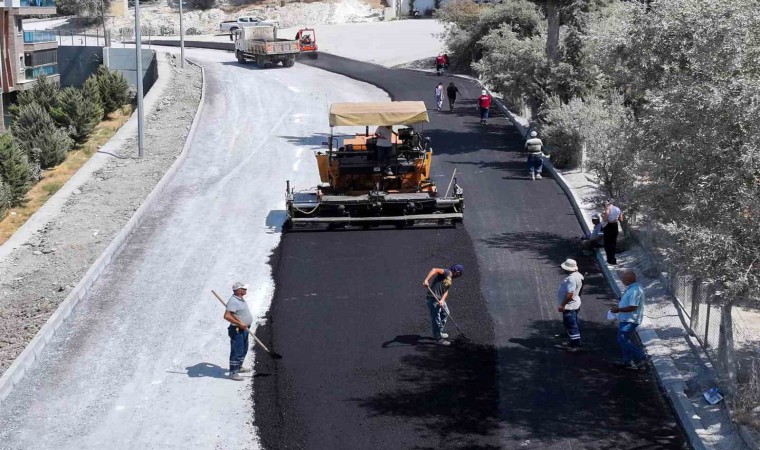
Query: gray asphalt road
x,y
348,314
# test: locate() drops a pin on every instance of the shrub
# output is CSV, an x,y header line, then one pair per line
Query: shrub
x,y
78,112
38,136
113,90
15,170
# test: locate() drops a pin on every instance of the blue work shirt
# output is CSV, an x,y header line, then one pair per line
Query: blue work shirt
x,y
633,296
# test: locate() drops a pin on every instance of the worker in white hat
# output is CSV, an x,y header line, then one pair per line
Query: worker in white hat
x,y
239,316
484,105
569,302
535,149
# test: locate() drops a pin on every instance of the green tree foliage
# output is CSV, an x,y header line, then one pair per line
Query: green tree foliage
x,y
467,23
36,134
79,112
16,173
113,88
82,8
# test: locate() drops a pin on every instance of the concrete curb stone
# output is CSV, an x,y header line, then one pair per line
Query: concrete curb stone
x,y
16,372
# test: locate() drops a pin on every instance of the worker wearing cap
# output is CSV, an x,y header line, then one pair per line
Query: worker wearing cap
x,y
240,319
438,282
535,149
569,302
484,105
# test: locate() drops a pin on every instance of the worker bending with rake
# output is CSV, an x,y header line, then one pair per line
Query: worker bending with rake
x,y
438,282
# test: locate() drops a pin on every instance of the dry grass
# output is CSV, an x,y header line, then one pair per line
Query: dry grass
x,y
749,398
55,178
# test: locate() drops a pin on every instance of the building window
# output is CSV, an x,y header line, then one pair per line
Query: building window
x,y
21,62
42,57
19,25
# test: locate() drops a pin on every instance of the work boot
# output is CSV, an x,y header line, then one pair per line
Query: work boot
x,y
533,176
538,177
444,335
235,376
443,342
244,370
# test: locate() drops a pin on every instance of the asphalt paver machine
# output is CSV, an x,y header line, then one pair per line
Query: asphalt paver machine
x,y
363,187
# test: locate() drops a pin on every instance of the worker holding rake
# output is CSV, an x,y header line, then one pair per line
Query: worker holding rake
x,y
240,319
438,282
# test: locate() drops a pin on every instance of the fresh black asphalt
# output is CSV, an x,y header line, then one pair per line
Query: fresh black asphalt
x,y
360,370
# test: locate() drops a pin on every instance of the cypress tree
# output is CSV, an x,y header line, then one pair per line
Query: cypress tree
x,y
15,170
35,129
113,88
76,114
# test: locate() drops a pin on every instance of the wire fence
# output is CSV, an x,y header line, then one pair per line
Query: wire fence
x,y
697,301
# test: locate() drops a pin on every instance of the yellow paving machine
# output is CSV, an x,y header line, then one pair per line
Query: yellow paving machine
x,y
369,183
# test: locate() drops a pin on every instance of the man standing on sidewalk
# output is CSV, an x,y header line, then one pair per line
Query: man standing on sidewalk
x,y
630,312
569,302
240,319
438,282
612,215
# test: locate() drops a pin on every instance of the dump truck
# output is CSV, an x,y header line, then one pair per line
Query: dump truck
x,y
361,186
261,45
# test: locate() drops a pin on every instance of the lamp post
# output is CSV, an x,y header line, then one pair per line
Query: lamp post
x,y
181,37
138,55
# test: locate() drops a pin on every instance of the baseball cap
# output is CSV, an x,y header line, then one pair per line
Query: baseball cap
x,y
239,285
483,92
457,268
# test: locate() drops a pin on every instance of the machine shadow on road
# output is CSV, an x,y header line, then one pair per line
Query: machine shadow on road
x,y
251,66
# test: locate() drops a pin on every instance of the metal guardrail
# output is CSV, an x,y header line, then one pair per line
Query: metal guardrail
x,y
31,73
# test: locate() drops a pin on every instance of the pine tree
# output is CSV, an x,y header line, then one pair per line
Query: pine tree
x,y
76,114
15,170
113,88
44,93
5,199
35,129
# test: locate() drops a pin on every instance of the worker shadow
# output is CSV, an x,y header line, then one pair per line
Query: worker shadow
x,y
314,141
406,340
204,370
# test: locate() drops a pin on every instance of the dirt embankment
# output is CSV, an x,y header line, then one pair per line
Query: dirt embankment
x,y
39,275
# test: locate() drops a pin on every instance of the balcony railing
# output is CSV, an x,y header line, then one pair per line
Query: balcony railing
x,y
31,73
33,37
38,3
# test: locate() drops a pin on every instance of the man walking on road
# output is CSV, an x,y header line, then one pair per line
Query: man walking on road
x,y
630,312
439,96
535,149
438,282
452,92
484,105
569,302
240,319
612,215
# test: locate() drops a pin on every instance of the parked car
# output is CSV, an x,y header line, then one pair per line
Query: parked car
x,y
231,26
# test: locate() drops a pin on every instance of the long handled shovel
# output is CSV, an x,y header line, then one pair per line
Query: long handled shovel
x,y
274,355
449,314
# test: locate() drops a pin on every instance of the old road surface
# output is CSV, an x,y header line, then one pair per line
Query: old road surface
x,y
360,369
141,362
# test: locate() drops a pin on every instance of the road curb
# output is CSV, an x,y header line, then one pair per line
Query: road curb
x,y
24,361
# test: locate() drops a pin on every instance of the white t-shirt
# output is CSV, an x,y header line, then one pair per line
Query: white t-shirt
x,y
614,214
384,136
439,92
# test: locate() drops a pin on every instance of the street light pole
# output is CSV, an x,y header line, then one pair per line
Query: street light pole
x,y
181,37
138,55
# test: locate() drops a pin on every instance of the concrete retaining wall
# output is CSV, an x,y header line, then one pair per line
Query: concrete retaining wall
x,y
123,60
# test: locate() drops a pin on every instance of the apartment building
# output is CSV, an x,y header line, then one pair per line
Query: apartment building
x,y
24,55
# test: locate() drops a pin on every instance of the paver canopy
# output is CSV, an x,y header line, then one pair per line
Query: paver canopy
x,y
379,113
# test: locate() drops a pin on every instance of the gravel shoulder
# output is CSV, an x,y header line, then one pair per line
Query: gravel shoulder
x,y
36,277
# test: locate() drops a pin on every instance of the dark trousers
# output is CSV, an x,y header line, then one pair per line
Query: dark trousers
x,y
452,100
238,347
484,114
610,241
570,320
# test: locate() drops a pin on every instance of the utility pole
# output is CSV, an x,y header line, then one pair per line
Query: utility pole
x,y
138,55
181,37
